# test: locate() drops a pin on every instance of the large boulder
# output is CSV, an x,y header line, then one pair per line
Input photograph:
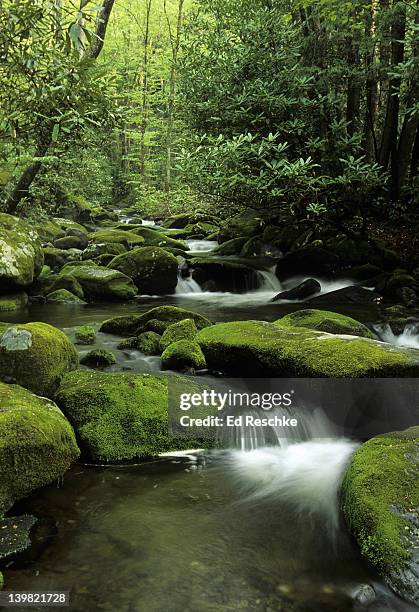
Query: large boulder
x,y
183,330
101,283
48,283
35,355
247,223
37,444
9,303
230,247
103,248
308,260
155,238
183,355
62,296
347,295
71,242
323,320
21,256
380,501
218,274
126,238
130,325
153,270
256,348
119,416
302,291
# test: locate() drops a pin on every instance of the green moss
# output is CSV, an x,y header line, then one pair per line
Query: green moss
x,y
98,358
119,416
149,343
95,250
380,486
21,256
100,283
166,315
258,348
62,296
66,224
9,303
85,334
326,321
183,330
153,270
183,355
126,238
37,444
55,258
1,581
35,355
230,247
70,242
53,282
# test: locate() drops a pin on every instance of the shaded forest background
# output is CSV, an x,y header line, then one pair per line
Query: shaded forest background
x,y
302,108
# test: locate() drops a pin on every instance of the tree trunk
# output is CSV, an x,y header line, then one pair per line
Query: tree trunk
x,y
21,190
390,130
172,93
371,87
144,122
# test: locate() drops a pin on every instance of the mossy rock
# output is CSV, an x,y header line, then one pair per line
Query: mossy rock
x,y
230,247
224,275
247,223
127,238
119,416
21,255
256,348
98,358
103,248
85,334
54,282
380,501
9,303
35,355
15,535
155,238
71,242
37,444
183,355
153,270
182,330
323,320
56,258
66,224
129,325
100,283
149,343
62,296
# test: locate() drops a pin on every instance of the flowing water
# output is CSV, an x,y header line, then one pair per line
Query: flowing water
x,y
409,336
253,527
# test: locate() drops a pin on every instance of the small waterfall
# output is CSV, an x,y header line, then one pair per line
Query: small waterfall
x,y
201,246
409,337
268,281
187,285
148,222
303,467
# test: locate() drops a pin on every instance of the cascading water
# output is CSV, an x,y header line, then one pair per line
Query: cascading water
x,y
186,286
268,281
201,246
409,336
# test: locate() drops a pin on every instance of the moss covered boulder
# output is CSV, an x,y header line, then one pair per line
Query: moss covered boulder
x,y
85,334
119,416
101,283
183,330
103,248
48,283
35,355
153,270
245,224
256,348
126,238
153,237
326,321
21,256
62,296
98,358
130,325
9,303
37,444
71,242
183,355
149,343
380,501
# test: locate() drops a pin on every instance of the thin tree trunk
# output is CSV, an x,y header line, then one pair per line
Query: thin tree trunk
x,y
371,87
172,92
353,99
21,190
390,130
144,122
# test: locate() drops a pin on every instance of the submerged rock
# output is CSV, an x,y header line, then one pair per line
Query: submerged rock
x,y
35,355
380,501
37,444
14,535
130,325
256,348
302,291
100,283
21,256
119,416
9,303
323,320
153,270
183,355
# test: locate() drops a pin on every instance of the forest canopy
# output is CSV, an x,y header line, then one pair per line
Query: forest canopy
x,y
300,106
